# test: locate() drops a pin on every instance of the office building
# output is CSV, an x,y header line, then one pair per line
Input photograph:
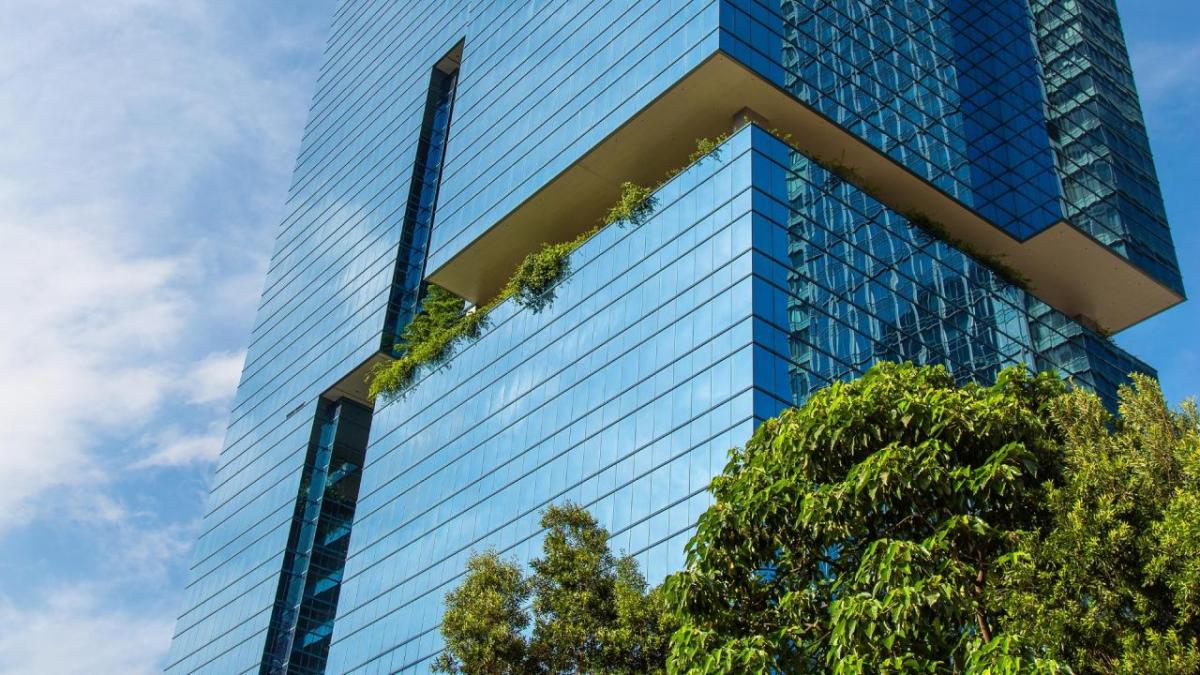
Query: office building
x,y
944,181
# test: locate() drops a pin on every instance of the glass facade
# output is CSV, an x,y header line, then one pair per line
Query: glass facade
x,y
1024,110
336,524
543,83
1099,136
307,599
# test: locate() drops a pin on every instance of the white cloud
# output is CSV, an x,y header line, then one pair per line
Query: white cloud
x,y
121,621
76,630
80,321
176,448
211,383
145,159
119,117
215,377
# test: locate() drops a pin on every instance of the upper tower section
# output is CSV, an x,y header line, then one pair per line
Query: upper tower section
x,y
1103,152
1008,126
1023,111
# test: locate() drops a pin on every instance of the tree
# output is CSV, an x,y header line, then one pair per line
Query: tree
x,y
591,610
902,523
1114,585
485,618
862,532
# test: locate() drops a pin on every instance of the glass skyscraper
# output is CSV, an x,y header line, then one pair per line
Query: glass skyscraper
x,y
961,182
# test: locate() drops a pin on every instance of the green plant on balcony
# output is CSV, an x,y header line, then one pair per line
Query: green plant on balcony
x,y
427,339
635,205
705,147
442,323
532,284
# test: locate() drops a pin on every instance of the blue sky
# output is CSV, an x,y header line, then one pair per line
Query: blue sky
x,y
148,145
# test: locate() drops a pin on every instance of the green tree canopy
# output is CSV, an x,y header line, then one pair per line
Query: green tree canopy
x,y
902,523
591,610
1113,585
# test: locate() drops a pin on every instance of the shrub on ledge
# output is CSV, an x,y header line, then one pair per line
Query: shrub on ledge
x,y
532,284
993,263
441,322
635,205
427,339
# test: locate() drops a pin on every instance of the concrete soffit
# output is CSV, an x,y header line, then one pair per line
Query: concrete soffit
x,y
1066,268
354,385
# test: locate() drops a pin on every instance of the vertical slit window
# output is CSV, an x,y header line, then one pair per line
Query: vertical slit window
x,y
306,599
408,279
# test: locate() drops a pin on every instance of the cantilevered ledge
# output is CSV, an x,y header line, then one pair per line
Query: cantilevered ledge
x,y
354,385
1066,267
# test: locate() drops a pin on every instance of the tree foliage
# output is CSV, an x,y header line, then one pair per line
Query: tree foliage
x,y
1113,586
590,613
899,523
428,339
861,532
485,618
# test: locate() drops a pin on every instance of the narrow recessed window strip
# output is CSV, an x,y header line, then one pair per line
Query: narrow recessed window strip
x,y
407,281
306,600
310,583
